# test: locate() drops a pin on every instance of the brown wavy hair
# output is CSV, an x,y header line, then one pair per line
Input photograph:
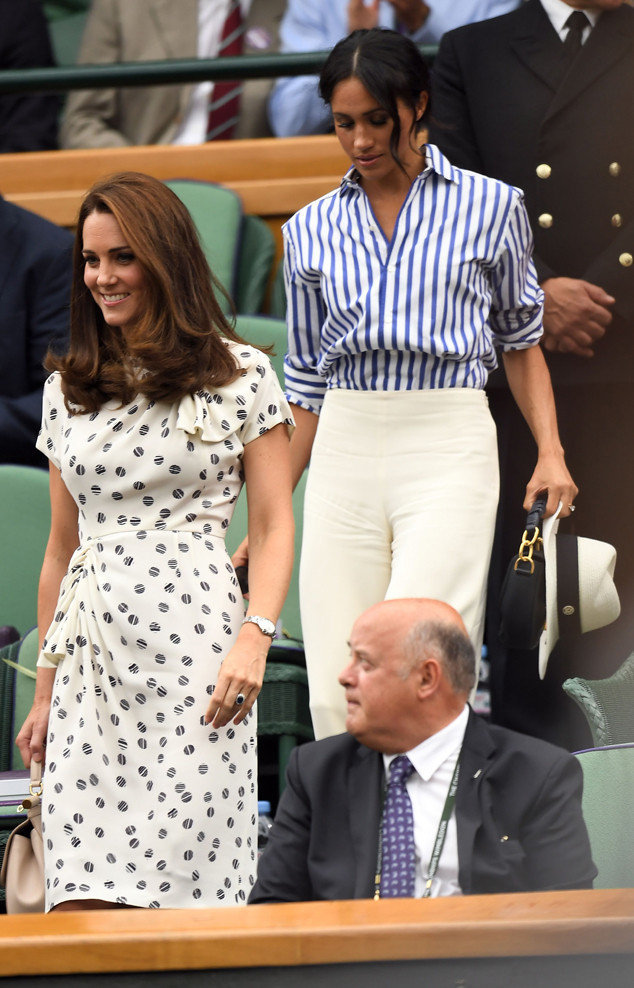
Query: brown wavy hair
x,y
176,347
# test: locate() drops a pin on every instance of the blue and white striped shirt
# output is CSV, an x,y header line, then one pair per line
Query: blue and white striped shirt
x,y
427,309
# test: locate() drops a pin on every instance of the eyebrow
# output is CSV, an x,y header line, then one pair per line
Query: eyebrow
x,y
366,113
113,250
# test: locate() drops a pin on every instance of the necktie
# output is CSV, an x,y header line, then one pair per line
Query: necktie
x,y
398,852
576,24
224,104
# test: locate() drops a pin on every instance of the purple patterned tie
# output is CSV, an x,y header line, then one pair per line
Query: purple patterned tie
x,y
398,851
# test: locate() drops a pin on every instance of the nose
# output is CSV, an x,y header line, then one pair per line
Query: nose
x,y
106,274
362,138
346,675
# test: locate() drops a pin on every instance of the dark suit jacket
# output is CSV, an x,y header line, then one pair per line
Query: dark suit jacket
x,y
323,844
502,108
28,121
35,274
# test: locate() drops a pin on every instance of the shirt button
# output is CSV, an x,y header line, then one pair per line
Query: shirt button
x,y
614,169
617,220
626,260
545,220
543,171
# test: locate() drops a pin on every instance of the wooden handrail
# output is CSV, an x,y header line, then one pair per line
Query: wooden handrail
x,y
273,176
543,924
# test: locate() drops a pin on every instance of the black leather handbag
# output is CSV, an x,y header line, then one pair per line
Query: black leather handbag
x,y
523,594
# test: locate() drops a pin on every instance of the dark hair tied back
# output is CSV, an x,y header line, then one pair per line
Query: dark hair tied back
x,y
388,64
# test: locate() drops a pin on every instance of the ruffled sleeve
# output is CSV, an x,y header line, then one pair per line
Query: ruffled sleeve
x,y
53,414
248,407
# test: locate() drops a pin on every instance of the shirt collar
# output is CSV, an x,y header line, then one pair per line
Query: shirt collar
x,y
435,161
558,11
429,755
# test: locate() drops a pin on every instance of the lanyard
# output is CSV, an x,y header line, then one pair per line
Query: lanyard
x,y
439,842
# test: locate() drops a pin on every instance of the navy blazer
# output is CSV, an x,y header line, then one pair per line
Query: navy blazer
x,y
503,105
518,815
28,121
35,276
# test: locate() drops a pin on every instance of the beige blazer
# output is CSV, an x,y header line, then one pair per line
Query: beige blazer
x,y
152,30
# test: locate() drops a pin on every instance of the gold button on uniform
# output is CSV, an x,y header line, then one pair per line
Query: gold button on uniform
x,y
614,169
545,220
617,220
544,171
626,260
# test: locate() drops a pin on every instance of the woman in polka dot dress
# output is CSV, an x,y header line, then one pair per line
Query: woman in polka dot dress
x,y
147,679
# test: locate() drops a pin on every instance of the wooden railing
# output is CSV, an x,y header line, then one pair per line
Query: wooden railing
x,y
273,176
596,927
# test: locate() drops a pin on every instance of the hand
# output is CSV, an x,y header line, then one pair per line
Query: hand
x,y
551,474
412,14
362,15
31,740
576,315
241,672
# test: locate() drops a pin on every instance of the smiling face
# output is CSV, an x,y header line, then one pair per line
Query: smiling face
x,y
114,277
364,129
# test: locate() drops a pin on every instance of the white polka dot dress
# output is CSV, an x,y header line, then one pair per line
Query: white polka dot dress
x,y
144,804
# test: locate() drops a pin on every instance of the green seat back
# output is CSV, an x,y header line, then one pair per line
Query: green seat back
x,y
217,213
277,304
23,690
255,264
608,704
25,521
608,809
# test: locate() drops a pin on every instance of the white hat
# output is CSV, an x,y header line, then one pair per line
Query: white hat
x,y
580,591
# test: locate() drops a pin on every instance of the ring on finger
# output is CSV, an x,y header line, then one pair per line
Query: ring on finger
x,y
240,699
571,507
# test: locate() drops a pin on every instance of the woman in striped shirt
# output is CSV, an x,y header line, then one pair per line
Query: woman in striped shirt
x,y
403,285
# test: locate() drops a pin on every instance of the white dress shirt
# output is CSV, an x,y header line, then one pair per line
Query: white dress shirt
x,y
558,12
434,761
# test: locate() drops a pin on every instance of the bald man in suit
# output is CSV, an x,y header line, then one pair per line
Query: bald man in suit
x,y
516,824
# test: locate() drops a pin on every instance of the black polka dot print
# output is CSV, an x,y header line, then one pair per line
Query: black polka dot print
x,y
144,803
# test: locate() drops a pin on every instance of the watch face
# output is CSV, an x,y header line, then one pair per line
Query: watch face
x,y
266,627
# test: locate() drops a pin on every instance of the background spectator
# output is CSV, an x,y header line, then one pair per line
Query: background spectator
x,y
28,121
147,30
513,102
516,825
294,106
35,275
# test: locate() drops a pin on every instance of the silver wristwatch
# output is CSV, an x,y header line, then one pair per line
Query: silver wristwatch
x,y
266,627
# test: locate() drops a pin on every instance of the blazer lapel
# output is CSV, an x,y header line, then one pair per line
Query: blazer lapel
x,y
475,760
611,40
537,44
365,787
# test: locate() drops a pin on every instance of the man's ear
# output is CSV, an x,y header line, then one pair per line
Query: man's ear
x,y
429,674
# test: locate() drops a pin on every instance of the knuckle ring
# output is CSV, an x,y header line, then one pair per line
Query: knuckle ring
x,y
240,699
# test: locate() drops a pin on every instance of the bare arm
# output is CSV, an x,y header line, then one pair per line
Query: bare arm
x,y
529,382
62,542
267,470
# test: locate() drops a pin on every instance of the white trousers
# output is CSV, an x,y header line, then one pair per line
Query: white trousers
x,y
400,501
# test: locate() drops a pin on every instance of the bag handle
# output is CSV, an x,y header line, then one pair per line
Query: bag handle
x,y
35,785
531,539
